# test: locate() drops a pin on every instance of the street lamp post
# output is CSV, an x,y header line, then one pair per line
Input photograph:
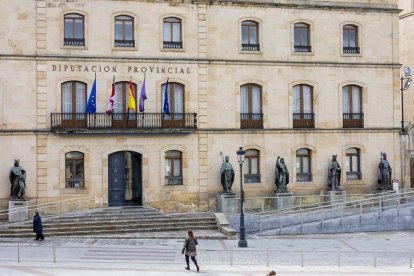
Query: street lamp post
x,y
242,237
405,84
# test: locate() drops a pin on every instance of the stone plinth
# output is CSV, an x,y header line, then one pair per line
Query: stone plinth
x,y
282,201
226,203
18,210
335,196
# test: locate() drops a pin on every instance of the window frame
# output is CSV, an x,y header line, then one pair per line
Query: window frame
x,y
124,43
352,119
125,95
249,177
73,172
301,166
302,119
350,172
250,24
301,47
73,91
171,179
72,41
347,49
171,44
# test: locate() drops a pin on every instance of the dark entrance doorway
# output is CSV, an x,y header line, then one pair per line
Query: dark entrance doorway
x,y
125,179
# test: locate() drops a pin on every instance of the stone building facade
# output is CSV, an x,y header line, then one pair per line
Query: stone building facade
x,y
298,79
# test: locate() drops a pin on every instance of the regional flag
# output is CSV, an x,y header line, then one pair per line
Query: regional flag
x,y
91,105
131,100
142,97
166,106
111,101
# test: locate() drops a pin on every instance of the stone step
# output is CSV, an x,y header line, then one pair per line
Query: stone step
x,y
138,226
82,232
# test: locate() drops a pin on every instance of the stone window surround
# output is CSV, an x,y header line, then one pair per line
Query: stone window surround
x,y
62,30
161,33
359,39
292,37
259,30
184,168
135,27
62,172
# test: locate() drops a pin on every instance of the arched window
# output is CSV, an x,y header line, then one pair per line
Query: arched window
x,y
251,115
350,39
172,33
123,117
173,168
352,106
73,101
74,30
250,36
353,169
175,102
124,31
74,170
303,165
252,166
303,116
302,37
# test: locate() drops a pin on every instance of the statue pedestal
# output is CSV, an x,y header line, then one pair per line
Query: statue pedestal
x,y
282,200
335,196
226,203
18,210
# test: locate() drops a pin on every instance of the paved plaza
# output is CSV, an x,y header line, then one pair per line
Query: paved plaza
x,y
386,253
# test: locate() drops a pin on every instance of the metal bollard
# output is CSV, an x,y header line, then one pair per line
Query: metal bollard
x,y
411,259
54,253
267,257
18,252
338,258
301,258
375,259
231,257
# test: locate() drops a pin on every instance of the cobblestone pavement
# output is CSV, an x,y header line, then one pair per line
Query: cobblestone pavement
x,y
386,253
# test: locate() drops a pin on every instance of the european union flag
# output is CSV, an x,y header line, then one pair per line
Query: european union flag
x,y
166,106
91,106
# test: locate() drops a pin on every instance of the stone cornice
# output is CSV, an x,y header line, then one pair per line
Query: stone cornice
x,y
156,60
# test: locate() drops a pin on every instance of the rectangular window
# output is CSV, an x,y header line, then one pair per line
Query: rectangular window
x,y
74,30
74,170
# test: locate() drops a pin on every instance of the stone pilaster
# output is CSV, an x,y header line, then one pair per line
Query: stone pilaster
x,y
41,71
202,105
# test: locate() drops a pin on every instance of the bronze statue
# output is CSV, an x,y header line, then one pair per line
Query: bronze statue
x,y
281,175
384,173
227,175
334,174
17,178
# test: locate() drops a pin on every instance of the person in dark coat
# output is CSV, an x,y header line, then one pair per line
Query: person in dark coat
x,y
189,249
37,227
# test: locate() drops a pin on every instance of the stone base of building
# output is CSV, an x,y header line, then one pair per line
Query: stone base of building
x,y
18,210
226,203
335,196
282,200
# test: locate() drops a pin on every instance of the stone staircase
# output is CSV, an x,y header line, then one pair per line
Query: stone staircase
x,y
116,222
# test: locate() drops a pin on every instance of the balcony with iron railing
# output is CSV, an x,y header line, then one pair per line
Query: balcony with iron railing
x,y
353,175
303,177
174,180
351,50
303,120
251,120
63,121
74,183
251,47
353,120
124,43
302,49
172,45
74,42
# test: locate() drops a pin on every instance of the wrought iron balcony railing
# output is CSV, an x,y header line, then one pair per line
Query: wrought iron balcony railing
x,y
62,121
303,120
252,178
251,47
174,180
124,43
353,120
173,45
303,49
353,175
251,120
351,50
74,41
74,183
303,177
